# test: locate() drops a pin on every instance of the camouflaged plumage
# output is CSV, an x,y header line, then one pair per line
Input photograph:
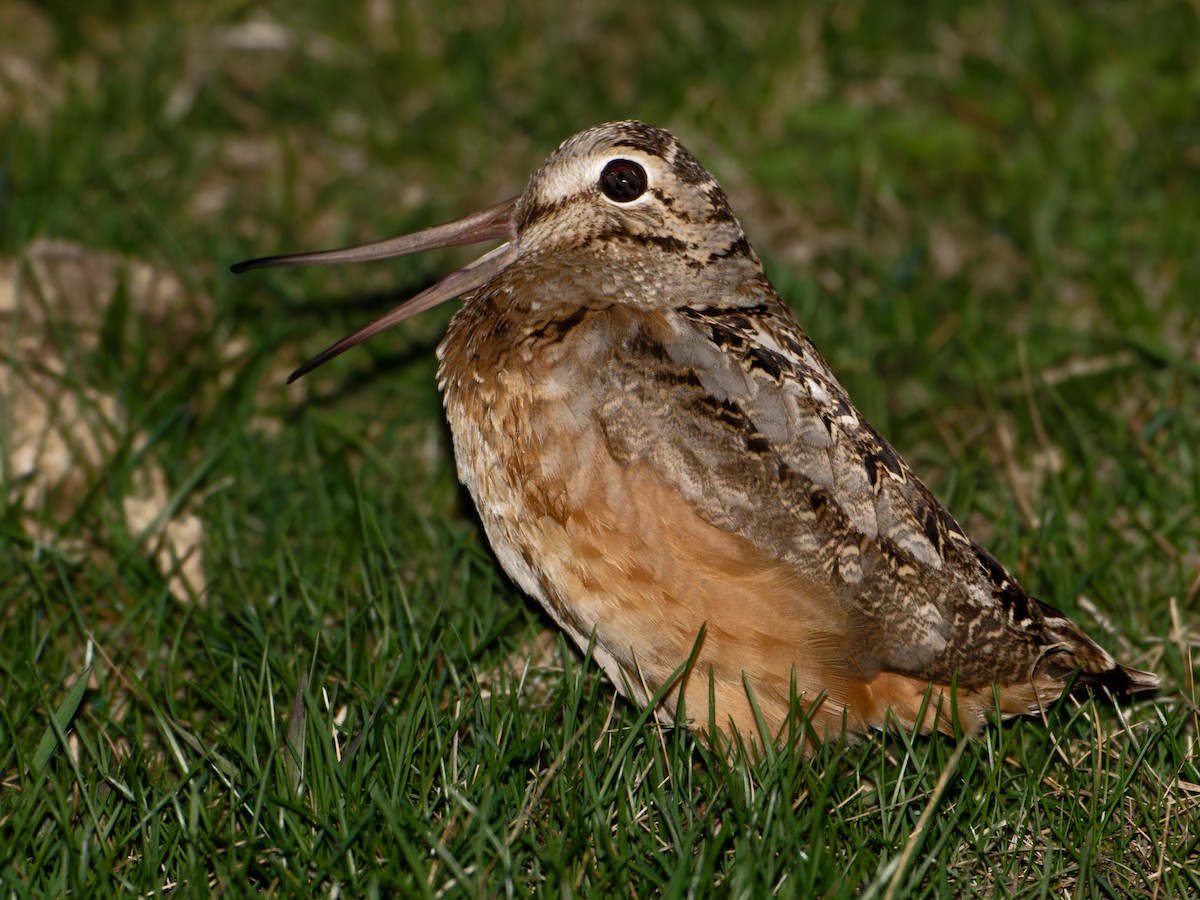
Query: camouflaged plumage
x,y
661,457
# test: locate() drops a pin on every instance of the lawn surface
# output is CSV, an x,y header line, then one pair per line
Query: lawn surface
x,y
252,635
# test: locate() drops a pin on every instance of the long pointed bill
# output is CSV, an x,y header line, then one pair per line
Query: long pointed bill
x,y
486,225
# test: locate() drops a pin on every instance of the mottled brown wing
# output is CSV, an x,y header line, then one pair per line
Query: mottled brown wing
x,y
736,409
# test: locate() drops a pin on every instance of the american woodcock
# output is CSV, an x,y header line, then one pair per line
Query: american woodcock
x,y
662,458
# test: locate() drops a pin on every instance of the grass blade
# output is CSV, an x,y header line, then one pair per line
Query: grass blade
x,y
56,732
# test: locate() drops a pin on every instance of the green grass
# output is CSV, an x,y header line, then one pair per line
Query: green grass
x,y
985,215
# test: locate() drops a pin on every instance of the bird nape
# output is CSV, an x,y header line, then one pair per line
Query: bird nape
x,y
662,458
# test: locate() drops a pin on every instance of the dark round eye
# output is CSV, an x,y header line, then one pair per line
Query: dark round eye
x,y
623,181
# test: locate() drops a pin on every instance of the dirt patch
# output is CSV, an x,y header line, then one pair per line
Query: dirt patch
x,y
59,435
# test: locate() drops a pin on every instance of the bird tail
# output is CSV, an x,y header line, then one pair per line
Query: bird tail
x,y
1068,650
1118,680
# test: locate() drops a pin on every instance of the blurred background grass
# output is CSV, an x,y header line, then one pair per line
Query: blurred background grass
x,y
985,215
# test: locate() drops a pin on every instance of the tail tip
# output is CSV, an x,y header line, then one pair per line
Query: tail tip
x,y
1120,680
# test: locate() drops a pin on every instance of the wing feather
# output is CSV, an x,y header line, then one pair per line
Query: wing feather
x,y
740,414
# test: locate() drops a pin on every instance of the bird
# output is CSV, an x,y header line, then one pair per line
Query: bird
x,y
662,459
